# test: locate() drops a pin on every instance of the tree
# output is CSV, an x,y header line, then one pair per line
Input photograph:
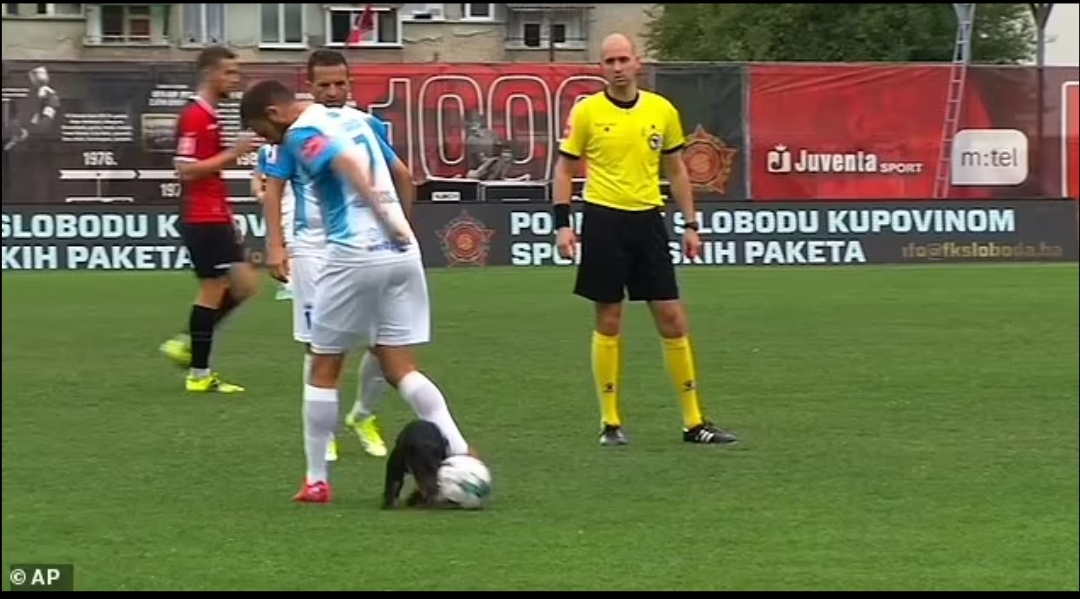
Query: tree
x,y
1004,33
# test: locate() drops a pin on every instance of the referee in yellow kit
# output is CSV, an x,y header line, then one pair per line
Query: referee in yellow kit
x,y
621,133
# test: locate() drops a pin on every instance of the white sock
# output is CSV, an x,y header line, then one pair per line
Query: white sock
x,y
307,377
320,420
429,404
199,373
372,387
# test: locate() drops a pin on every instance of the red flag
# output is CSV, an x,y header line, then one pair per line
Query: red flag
x,y
361,24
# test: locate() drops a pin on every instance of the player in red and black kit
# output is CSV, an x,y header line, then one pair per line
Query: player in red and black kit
x,y
226,279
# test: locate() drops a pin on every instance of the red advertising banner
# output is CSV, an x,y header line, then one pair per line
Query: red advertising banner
x,y
104,132
451,120
853,132
1070,139
849,132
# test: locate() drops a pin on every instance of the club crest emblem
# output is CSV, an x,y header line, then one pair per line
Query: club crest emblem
x,y
709,161
465,241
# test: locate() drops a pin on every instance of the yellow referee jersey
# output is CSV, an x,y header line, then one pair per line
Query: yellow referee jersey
x,y
621,144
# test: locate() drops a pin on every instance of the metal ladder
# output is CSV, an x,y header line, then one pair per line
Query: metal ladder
x,y
965,17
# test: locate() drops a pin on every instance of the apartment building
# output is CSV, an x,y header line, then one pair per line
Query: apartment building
x,y
276,32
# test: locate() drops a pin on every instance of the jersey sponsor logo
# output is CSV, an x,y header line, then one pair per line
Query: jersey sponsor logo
x,y
186,145
466,241
313,147
782,161
709,161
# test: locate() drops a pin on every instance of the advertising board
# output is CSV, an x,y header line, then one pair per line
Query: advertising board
x,y
455,234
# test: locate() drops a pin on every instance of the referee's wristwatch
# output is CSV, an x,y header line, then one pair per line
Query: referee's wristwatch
x,y
692,226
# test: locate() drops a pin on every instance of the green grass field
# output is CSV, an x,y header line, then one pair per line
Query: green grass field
x,y
904,428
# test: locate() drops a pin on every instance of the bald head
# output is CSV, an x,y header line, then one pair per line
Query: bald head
x,y
617,43
620,63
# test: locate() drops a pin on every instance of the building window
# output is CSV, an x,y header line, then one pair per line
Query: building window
x,y
478,12
423,12
558,33
204,24
126,24
11,9
559,29
532,35
58,10
283,25
386,31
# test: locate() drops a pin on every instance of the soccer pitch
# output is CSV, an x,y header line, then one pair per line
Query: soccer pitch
x,y
903,428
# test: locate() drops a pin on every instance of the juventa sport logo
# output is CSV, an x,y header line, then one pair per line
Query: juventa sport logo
x,y
781,160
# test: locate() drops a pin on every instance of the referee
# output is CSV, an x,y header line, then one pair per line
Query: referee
x,y
622,133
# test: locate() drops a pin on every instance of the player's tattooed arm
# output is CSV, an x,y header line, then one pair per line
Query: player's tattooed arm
x,y
405,184
353,167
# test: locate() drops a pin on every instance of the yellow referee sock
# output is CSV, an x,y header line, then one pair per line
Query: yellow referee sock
x,y
605,368
680,364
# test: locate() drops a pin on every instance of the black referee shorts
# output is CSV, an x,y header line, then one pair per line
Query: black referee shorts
x,y
213,248
625,253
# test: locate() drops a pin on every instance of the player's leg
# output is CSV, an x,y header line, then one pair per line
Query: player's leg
x,y
210,248
601,278
224,284
404,322
370,391
178,348
303,272
284,291
652,279
340,321
243,284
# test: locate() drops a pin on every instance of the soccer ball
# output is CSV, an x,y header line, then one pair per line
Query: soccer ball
x,y
465,482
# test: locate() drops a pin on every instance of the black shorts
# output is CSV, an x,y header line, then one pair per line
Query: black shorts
x,y
625,253
213,248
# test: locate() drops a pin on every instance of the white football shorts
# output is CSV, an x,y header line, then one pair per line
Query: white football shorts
x,y
303,274
372,304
